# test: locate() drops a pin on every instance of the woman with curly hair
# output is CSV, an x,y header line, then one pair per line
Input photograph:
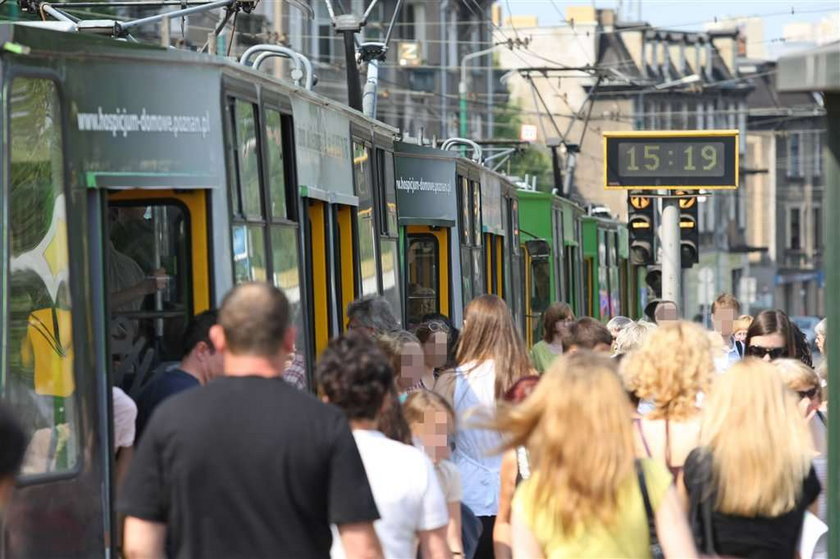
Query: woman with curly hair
x,y
671,369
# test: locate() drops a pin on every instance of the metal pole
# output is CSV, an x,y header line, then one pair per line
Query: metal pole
x,y
670,243
354,85
369,97
832,307
462,86
176,13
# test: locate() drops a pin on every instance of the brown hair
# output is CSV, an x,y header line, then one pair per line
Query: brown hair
x,y
727,301
254,317
556,312
773,322
489,333
586,333
391,344
421,400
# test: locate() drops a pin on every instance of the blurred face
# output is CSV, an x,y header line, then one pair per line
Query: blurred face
x,y
434,432
723,319
820,341
768,348
354,324
434,350
666,312
412,365
740,336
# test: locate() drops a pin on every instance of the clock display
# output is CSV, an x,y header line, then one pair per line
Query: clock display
x,y
669,159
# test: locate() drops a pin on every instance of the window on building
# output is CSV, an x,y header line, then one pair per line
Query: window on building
x,y
795,229
794,154
818,154
818,229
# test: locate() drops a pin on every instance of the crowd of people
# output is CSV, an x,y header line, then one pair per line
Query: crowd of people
x,y
644,438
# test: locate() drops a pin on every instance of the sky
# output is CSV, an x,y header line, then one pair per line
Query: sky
x,y
690,15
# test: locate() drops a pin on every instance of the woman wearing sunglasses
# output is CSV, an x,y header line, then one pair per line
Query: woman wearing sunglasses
x,y
770,336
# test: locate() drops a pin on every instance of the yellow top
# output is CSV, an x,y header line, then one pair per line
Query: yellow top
x,y
625,536
48,348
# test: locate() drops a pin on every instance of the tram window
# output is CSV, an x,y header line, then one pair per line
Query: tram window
x,y
466,211
149,284
249,253
247,152
276,174
389,209
467,275
540,284
476,217
367,249
389,259
286,273
422,258
40,380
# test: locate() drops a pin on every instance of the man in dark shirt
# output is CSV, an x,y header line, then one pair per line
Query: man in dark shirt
x,y
200,363
248,466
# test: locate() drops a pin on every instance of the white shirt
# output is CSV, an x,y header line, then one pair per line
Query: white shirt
x,y
406,491
727,359
125,414
476,450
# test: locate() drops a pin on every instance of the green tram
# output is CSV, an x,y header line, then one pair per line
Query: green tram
x,y
139,185
577,258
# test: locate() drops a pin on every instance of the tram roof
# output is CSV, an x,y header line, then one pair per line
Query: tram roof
x,y
45,40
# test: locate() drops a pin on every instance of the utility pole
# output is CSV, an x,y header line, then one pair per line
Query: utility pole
x,y
462,86
669,240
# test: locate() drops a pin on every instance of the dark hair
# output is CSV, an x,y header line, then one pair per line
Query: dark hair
x,y
12,444
451,337
726,300
556,312
355,375
773,322
520,389
800,342
254,317
373,312
391,421
198,330
586,333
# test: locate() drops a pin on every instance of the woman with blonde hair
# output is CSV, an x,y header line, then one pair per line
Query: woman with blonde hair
x,y
491,358
751,480
671,369
587,495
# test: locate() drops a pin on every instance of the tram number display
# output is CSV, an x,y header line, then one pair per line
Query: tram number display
x,y
698,159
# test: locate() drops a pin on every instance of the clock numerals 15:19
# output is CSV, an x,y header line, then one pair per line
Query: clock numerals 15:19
x,y
707,153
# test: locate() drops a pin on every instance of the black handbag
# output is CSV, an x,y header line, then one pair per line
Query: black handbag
x,y
655,547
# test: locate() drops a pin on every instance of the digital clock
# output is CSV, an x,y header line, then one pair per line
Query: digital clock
x,y
671,159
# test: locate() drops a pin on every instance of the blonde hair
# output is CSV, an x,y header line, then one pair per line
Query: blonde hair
x,y
760,445
631,336
421,401
489,333
576,426
672,366
742,323
796,375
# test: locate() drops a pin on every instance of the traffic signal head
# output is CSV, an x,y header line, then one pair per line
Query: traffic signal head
x,y
653,279
641,211
689,234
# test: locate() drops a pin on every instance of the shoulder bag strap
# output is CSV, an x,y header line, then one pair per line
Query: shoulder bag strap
x,y
655,548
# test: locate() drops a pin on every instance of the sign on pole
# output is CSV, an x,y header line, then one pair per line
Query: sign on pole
x,y
661,159
528,133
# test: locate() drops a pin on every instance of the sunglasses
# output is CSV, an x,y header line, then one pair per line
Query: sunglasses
x,y
807,393
760,352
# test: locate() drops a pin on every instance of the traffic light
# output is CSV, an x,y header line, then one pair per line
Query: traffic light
x,y
640,221
653,279
689,234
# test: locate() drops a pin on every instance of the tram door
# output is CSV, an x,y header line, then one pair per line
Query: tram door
x,y
157,276
537,287
329,242
428,274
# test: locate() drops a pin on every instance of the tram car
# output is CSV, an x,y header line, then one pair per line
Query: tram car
x,y
140,184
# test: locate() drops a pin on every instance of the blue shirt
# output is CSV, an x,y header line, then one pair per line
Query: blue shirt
x,y
167,384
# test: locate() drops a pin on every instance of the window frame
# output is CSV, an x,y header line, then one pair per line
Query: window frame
x,y
78,322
